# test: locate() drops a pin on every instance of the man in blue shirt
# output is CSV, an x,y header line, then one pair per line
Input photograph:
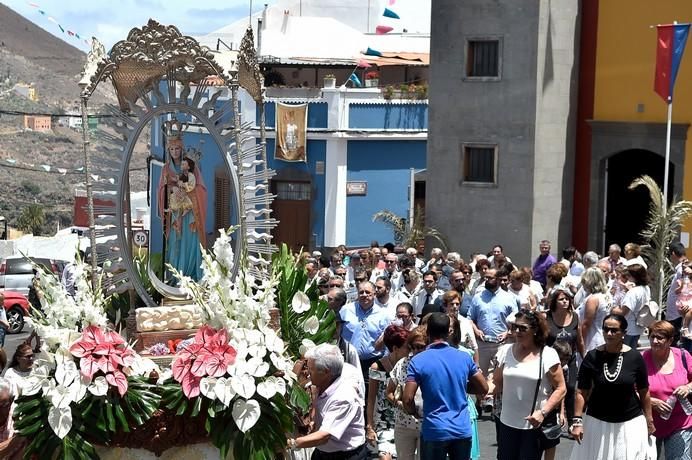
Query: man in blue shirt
x,y
488,314
443,373
363,326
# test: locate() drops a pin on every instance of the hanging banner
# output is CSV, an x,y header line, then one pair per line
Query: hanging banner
x,y
291,130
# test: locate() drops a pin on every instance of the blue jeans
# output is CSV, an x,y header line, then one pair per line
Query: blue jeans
x,y
457,449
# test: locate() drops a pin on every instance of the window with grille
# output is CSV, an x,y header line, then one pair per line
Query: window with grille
x,y
483,58
293,191
222,191
480,164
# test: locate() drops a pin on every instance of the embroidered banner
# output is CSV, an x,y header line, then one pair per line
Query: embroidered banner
x,y
291,129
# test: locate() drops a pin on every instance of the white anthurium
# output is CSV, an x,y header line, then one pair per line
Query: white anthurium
x,y
224,390
257,367
300,302
246,414
66,373
99,387
60,420
268,388
306,345
273,342
257,351
280,385
60,396
311,325
243,385
164,375
254,337
207,386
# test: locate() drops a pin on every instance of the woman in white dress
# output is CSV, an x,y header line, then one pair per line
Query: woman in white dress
x,y
595,307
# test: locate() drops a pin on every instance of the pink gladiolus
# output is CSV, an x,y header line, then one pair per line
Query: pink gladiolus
x,y
208,356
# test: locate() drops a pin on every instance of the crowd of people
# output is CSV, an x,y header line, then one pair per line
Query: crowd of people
x,y
549,350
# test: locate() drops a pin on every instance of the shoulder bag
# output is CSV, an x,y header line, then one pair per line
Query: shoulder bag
x,y
550,427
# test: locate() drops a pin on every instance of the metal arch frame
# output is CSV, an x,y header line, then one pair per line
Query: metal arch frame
x,y
124,241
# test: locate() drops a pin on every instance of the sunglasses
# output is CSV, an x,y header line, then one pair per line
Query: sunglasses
x,y
520,327
366,292
612,330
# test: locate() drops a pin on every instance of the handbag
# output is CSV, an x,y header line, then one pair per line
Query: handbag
x,y
550,427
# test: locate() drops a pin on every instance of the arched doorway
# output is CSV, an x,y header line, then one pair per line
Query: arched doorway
x,y
627,210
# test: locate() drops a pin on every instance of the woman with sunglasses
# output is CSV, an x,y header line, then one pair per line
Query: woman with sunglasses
x,y
613,381
406,427
529,376
670,371
20,367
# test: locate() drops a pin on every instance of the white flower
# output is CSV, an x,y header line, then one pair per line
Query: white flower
x,y
207,386
311,325
243,385
60,420
306,345
224,390
300,302
246,414
99,387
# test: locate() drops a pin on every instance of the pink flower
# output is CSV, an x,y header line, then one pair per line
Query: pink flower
x,y
209,355
104,352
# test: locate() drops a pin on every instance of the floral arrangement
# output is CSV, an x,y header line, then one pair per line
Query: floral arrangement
x,y
235,377
372,74
85,386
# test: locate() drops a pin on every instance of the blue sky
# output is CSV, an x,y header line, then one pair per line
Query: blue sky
x,y
110,20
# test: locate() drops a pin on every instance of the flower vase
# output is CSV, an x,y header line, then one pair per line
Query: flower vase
x,y
372,83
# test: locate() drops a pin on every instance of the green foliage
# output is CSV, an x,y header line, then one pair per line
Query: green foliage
x,y
31,219
409,235
30,188
662,227
293,278
94,421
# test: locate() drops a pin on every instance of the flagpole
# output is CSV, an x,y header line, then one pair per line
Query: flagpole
x,y
665,174
352,72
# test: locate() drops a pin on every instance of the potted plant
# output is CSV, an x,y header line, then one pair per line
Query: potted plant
x,y
388,92
372,79
329,81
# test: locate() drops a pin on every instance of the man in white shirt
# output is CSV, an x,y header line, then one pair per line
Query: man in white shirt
x,y
339,424
384,297
678,258
391,271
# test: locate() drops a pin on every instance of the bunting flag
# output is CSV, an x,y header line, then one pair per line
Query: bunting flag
x,y
390,14
381,30
363,63
372,52
69,32
46,168
356,81
670,47
391,2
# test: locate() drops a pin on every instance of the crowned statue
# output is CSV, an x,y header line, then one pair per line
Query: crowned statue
x,y
182,204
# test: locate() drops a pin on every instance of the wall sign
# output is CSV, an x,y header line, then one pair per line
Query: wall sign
x,y
356,188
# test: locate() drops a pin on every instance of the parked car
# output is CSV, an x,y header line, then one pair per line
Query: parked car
x,y
16,307
16,272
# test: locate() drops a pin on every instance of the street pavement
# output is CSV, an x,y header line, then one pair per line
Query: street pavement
x,y
488,442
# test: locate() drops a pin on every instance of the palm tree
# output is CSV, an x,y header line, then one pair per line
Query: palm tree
x,y
31,219
662,227
409,234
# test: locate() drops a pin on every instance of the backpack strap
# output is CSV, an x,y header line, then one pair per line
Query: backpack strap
x,y
684,359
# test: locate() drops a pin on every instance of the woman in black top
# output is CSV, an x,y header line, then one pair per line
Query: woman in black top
x,y
563,326
618,420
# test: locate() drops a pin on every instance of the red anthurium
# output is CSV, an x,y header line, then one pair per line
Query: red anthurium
x,y
118,379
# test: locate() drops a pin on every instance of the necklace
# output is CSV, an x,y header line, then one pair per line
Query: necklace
x,y
612,376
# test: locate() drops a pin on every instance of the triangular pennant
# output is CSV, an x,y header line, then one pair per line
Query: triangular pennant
x,y
390,14
356,81
381,30
46,168
363,63
391,2
62,171
61,29
10,161
372,52
42,12
70,33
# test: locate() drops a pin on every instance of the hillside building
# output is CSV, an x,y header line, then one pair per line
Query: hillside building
x,y
37,123
26,90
